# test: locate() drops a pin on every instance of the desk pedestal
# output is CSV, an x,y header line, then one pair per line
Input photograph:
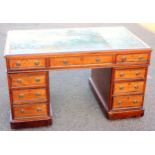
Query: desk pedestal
x,y
119,98
29,99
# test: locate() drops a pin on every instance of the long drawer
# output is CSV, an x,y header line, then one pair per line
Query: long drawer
x,y
33,110
129,87
132,58
130,74
28,79
29,95
80,60
127,101
32,63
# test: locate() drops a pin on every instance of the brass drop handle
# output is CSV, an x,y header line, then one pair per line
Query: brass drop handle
x,y
19,81
138,73
36,63
65,62
136,87
124,58
37,94
22,110
121,87
20,95
37,79
39,109
98,59
141,58
18,63
135,101
122,74
119,102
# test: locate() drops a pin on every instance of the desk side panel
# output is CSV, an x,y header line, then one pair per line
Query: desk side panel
x,y
102,79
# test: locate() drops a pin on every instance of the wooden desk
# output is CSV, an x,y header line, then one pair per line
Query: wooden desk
x,y
118,59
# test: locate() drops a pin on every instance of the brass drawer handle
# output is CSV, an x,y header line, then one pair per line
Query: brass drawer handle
x,y
18,63
37,94
119,102
19,81
135,101
138,73
124,58
37,79
39,109
122,74
141,58
136,86
121,87
98,59
65,62
36,63
22,111
21,96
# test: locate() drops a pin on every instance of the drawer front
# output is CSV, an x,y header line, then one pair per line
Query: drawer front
x,y
28,79
30,110
127,101
27,63
25,95
129,87
130,73
140,58
97,59
65,61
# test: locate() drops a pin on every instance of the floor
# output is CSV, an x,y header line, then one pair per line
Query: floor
x,y
73,104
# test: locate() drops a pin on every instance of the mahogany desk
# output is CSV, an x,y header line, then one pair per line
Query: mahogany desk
x,y
118,59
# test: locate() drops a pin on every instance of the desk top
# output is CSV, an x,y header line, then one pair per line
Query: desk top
x,y
71,40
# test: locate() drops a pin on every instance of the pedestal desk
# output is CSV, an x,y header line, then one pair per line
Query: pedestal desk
x,y
118,59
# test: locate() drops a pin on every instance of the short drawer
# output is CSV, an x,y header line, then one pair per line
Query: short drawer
x,y
29,95
15,64
130,73
30,110
127,101
129,87
28,79
65,61
133,58
97,59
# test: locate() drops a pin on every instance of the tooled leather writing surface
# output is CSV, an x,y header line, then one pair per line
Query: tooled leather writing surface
x,y
71,40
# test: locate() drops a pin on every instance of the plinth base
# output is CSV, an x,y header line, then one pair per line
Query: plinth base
x,y
17,124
